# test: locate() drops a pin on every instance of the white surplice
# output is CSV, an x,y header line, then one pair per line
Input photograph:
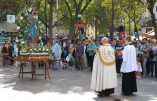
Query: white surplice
x,y
129,59
104,69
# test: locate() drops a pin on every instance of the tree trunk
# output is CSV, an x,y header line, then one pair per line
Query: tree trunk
x,y
150,8
72,35
129,26
50,21
35,4
135,27
96,34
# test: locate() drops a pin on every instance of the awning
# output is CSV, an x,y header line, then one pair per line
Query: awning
x,y
150,35
79,25
9,27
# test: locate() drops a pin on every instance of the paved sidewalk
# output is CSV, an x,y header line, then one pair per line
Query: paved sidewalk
x,y
65,85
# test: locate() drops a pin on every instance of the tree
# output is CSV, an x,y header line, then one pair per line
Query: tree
x,y
11,7
47,12
149,4
133,9
70,9
99,15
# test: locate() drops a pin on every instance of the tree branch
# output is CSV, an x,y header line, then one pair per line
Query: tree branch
x,y
86,5
69,9
78,7
57,22
44,22
75,2
143,3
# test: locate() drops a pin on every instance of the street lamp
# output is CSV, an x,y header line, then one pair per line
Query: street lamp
x,y
79,16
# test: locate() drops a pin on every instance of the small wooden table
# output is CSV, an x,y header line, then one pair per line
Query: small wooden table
x,y
33,59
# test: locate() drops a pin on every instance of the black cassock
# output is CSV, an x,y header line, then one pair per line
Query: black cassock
x,y
129,83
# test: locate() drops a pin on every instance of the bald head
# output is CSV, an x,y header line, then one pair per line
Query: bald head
x,y
105,40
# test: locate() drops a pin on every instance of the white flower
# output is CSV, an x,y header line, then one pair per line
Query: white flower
x,y
22,42
43,49
39,22
17,40
30,9
18,27
39,37
21,18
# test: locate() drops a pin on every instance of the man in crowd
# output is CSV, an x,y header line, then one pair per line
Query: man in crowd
x,y
118,53
144,49
91,52
56,53
104,78
128,68
79,55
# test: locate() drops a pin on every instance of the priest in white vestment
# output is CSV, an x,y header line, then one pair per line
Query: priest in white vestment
x,y
104,78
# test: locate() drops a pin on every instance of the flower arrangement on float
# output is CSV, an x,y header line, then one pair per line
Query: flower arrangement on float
x,y
23,36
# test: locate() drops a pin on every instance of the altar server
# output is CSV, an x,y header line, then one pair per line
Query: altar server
x,y
128,68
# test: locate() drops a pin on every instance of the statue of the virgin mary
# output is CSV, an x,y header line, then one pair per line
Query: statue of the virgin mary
x,y
32,19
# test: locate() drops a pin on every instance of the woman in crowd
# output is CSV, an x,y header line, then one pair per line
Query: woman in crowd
x,y
71,55
65,52
7,54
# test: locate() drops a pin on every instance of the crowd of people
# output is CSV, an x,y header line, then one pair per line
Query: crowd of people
x,y
146,52
80,55
106,59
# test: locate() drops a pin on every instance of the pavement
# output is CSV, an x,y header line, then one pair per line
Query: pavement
x,y
65,85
